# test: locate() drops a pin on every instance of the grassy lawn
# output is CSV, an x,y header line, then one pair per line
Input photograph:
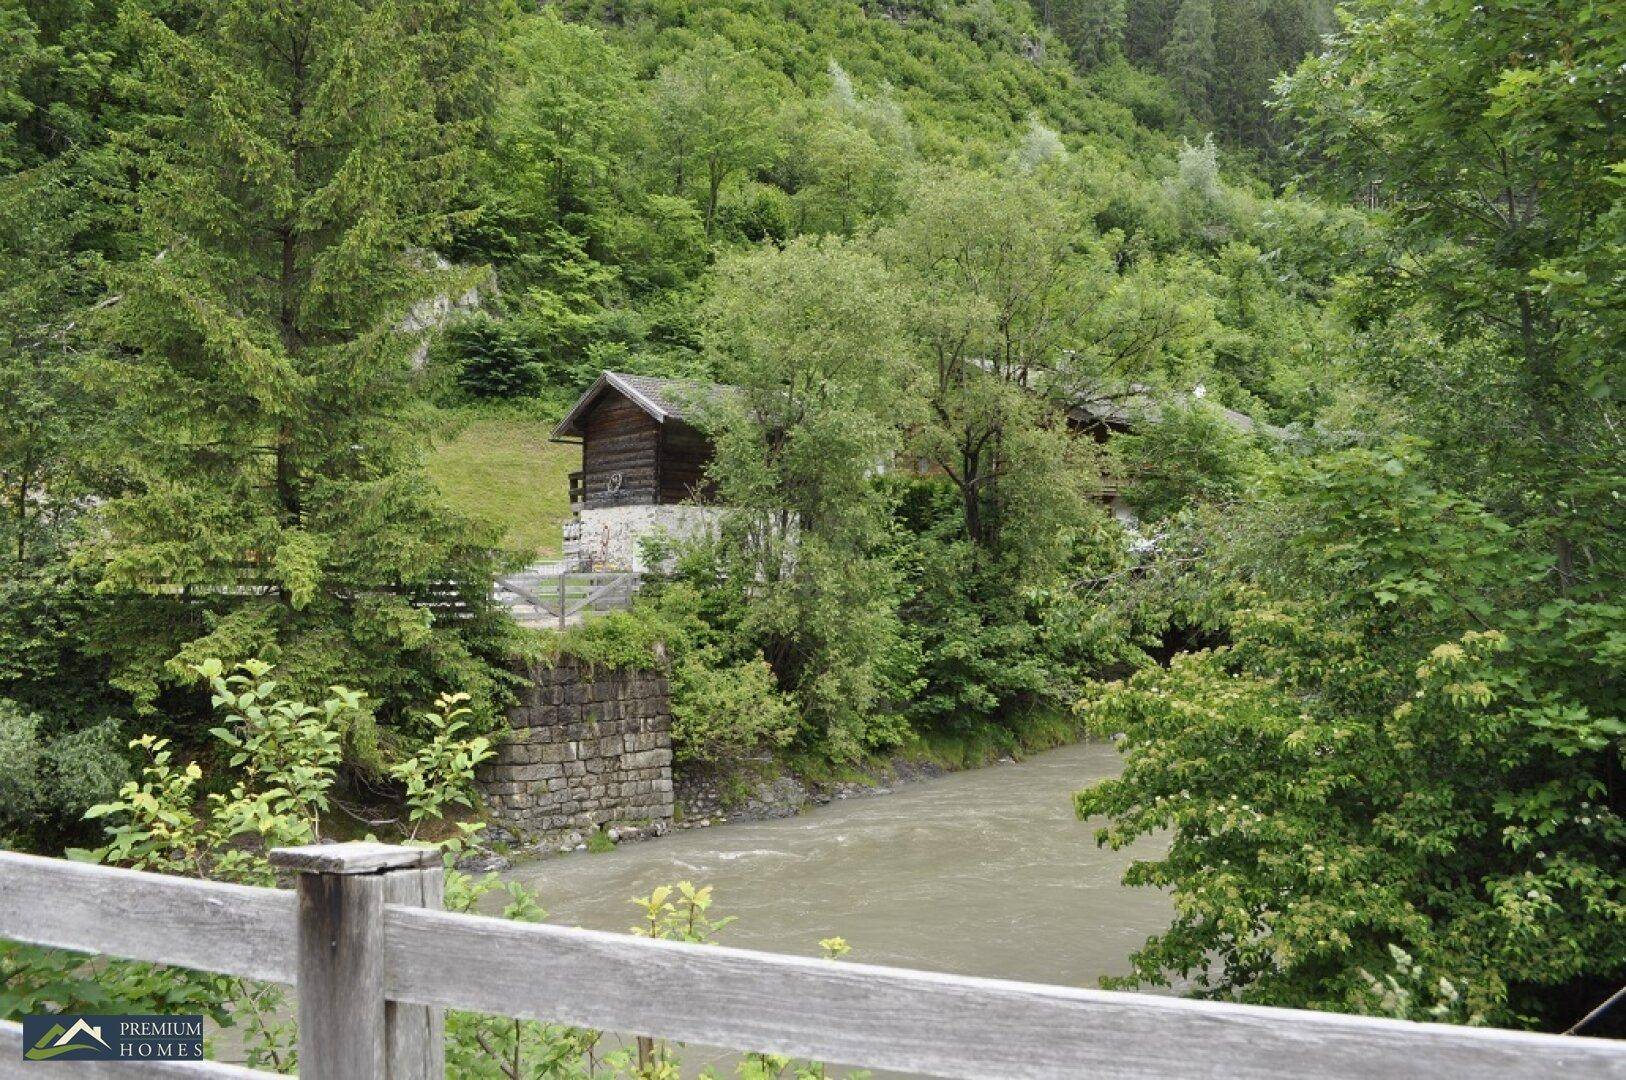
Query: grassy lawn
x,y
502,468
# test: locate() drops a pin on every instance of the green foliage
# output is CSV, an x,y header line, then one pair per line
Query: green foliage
x,y
491,360
1221,55
283,754
1092,29
48,780
813,337
1191,454
722,713
1188,57
1496,315
440,774
1407,744
620,640
258,365
264,260
1405,994
710,110
678,913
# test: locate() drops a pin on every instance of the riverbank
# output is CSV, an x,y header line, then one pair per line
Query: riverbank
x,y
768,788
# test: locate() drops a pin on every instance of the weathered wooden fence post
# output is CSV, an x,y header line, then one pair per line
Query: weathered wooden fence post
x,y
415,1034
345,1024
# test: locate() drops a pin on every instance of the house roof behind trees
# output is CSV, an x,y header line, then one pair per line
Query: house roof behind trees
x,y
1137,405
663,399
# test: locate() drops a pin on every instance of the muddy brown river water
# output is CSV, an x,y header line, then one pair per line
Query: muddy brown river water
x,y
985,872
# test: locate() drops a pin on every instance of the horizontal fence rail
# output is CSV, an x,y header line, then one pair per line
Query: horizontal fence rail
x,y
852,1014
916,1021
207,925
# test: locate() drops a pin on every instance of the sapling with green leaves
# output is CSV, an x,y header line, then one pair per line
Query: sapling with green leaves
x,y
440,775
284,757
285,754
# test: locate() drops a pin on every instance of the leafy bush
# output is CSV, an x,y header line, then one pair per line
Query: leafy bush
x,y
641,638
46,782
80,768
19,766
722,713
1192,454
440,774
1409,744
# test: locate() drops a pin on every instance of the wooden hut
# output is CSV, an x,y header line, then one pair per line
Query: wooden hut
x,y
643,463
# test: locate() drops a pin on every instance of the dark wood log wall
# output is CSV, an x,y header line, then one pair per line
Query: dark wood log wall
x,y
684,455
619,437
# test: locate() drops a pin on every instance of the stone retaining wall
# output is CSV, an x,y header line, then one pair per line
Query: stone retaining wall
x,y
587,749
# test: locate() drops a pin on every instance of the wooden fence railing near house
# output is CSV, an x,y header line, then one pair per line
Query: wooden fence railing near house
x,y
559,599
374,962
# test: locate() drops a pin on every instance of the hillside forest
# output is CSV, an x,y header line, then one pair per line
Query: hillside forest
x,y
1361,650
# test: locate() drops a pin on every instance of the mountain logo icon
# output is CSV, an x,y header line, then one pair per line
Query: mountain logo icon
x,y
82,1037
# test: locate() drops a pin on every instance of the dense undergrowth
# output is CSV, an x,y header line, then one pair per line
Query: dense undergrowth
x,y
1366,660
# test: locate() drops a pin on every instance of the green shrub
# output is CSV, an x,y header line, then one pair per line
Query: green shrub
x,y
19,766
491,359
721,713
46,782
1192,455
621,640
79,769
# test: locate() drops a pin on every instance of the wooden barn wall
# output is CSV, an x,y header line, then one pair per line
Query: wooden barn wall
x,y
619,437
684,455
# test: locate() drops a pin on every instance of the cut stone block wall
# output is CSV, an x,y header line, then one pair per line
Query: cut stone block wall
x,y
586,749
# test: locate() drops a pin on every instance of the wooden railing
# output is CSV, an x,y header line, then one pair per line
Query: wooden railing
x,y
559,599
578,490
374,963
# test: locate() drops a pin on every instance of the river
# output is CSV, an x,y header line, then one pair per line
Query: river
x,y
986,872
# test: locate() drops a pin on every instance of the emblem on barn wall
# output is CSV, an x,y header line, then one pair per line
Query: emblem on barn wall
x,y
613,484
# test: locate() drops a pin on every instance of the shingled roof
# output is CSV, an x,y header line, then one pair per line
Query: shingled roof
x,y
663,399
1137,404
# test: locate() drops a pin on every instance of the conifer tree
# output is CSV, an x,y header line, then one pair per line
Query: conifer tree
x,y
1242,82
305,162
1188,56
1092,29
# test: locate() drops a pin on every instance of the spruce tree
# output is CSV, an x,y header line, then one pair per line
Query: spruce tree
x,y
1188,56
1242,83
1092,29
305,161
